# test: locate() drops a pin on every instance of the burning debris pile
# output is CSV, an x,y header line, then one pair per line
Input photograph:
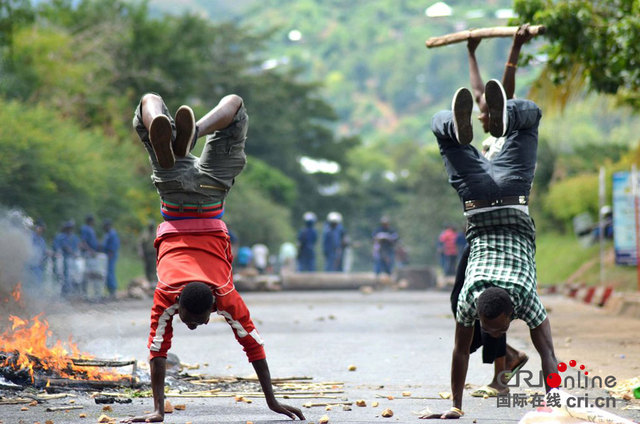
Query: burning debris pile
x,y
26,360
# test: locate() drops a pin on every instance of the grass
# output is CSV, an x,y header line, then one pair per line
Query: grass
x,y
129,266
560,256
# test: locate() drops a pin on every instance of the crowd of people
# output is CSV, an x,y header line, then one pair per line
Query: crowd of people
x,y
79,265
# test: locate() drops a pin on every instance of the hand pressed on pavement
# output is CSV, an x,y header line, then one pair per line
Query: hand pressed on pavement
x,y
154,417
290,411
453,413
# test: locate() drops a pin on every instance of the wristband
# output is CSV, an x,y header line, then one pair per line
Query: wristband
x,y
457,410
511,65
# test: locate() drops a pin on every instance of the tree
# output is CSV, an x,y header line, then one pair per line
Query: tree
x,y
598,41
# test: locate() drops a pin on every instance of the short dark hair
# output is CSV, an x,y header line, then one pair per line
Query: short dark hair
x,y
494,302
196,297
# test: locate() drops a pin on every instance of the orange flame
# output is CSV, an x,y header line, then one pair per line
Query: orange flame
x,y
29,340
16,293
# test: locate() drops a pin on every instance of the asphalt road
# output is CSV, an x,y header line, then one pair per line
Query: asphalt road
x,y
399,341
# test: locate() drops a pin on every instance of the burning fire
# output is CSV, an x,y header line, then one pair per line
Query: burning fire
x,y
25,348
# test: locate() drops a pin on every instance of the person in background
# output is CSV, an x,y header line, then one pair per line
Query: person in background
x,y
449,250
307,238
244,257
92,278
39,254
385,240
66,249
333,242
260,254
287,257
147,252
111,246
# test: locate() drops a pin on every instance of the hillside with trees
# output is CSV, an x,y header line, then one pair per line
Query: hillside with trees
x,y
347,87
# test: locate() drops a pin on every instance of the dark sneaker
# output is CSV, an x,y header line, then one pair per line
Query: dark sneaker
x,y
462,106
496,100
160,137
185,131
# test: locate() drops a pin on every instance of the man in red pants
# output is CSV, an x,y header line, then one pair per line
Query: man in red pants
x,y
194,250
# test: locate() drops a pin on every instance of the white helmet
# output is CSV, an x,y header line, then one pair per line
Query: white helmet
x,y
334,217
309,216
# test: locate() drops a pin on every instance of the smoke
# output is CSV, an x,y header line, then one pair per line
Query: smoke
x,y
15,249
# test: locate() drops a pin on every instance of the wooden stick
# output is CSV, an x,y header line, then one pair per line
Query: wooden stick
x,y
100,363
245,395
89,384
311,405
113,394
63,408
410,397
456,37
15,401
274,380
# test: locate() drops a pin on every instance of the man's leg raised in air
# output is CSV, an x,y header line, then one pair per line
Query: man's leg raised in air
x,y
154,116
225,126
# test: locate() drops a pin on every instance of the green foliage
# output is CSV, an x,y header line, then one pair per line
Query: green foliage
x,y
435,205
271,182
90,61
573,196
55,170
550,247
602,37
254,218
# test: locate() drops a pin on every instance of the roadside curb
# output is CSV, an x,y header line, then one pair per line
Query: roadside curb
x,y
593,295
606,297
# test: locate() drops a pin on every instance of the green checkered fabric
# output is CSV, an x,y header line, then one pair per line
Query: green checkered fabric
x,y
502,245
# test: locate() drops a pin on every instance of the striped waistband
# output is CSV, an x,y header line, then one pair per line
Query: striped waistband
x,y
172,210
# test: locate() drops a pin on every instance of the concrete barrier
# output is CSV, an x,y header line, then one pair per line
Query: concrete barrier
x,y
327,280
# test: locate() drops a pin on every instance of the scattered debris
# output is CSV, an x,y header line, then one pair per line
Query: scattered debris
x,y
423,413
107,408
106,419
445,395
112,398
346,408
352,368
361,403
624,389
180,407
63,408
387,413
82,415
406,394
366,289
324,419
168,408
374,404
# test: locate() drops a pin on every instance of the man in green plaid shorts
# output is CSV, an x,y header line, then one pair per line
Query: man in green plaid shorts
x,y
500,279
